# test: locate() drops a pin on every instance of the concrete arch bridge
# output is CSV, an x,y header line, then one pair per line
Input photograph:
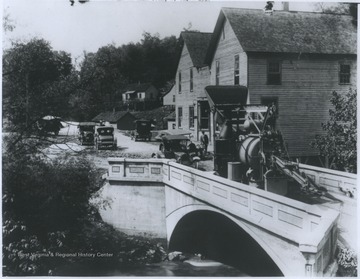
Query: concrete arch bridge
x,y
199,212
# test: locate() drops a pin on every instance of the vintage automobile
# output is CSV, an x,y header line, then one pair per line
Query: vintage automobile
x,y
104,137
180,148
142,130
86,131
49,124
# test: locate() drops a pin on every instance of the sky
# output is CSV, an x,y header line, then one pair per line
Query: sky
x,y
87,27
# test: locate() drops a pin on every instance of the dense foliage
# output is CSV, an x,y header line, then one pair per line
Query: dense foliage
x,y
38,81
104,75
347,261
33,80
47,215
46,208
340,139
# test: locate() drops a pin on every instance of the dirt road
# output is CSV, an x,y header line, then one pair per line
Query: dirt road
x,y
69,143
125,144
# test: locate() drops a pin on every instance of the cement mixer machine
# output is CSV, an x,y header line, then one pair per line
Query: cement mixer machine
x,y
249,149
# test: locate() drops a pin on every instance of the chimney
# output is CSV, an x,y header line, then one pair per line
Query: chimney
x,y
285,6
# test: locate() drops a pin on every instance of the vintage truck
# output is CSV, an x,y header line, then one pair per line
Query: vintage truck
x,y
86,131
105,137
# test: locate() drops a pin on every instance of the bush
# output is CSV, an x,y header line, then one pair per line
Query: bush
x,y
347,261
46,210
46,195
45,204
340,139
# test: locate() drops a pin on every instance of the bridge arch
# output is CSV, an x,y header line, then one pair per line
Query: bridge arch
x,y
199,228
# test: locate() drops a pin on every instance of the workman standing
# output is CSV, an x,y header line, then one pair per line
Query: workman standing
x,y
204,141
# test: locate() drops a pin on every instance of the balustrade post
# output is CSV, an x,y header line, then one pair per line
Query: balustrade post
x,y
124,167
310,264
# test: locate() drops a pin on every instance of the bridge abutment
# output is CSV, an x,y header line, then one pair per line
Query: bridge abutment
x,y
134,209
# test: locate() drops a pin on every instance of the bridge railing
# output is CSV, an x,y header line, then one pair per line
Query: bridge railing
x,y
136,170
296,221
307,225
334,181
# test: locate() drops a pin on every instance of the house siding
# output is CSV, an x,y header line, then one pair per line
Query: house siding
x,y
225,53
303,96
187,98
168,99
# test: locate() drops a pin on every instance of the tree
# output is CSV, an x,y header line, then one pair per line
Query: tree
x,y
30,72
100,77
105,74
338,8
46,210
339,141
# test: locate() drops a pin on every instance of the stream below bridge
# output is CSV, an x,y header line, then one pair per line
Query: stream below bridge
x,y
162,269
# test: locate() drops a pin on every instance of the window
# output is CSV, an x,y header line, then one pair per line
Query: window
x,y
191,117
236,70
274,73
179,81
179,116
174,99
217,72
204,115
191,80
344,73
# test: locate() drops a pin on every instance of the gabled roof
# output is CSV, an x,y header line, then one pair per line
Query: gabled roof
x,y
197,44
172,86
289,32
137,87
111,116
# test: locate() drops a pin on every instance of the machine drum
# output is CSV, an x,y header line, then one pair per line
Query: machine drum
x,y
249,152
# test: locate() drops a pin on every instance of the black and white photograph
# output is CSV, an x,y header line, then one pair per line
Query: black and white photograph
x,y
179,138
